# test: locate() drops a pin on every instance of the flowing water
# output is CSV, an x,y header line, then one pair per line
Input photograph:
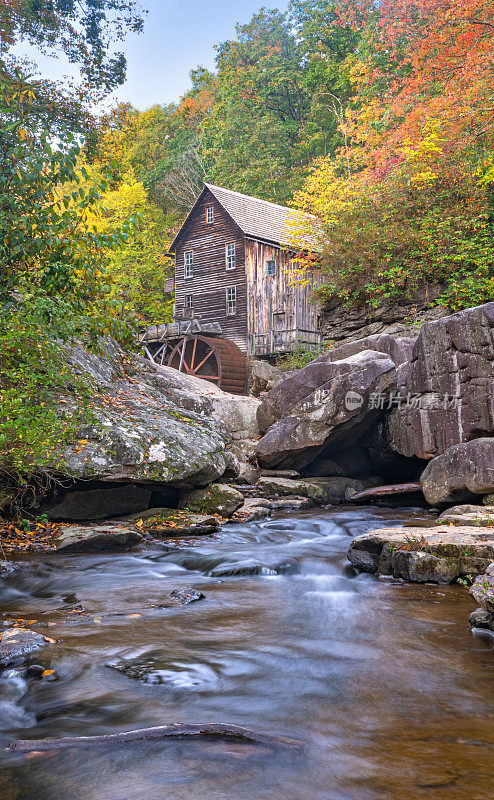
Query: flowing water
x,y
383,683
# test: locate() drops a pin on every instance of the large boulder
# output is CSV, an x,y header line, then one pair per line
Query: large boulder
x,y
152,424
326,402
462,471
302,384
448,387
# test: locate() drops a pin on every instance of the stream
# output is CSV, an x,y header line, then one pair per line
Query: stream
x,y
383,682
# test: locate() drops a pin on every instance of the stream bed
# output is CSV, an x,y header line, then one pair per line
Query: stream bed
x,y
383,682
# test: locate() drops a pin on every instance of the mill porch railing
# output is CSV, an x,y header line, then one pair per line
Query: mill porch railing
x,y
285,341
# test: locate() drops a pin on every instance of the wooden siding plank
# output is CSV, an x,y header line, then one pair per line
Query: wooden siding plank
x,y
211,278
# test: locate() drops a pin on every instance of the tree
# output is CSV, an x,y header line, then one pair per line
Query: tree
x,y
83,30
253,138
409,200
137,270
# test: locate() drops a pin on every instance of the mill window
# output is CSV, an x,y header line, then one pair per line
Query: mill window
x,y
189,264
209,215
189,301
230,255
231,301
271,268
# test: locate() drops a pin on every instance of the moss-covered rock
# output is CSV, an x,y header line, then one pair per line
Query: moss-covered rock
x,y
285,487
219,498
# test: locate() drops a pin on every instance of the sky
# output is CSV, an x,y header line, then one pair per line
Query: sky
x,y
178,36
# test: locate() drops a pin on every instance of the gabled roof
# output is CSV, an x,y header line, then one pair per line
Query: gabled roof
x,y
256,218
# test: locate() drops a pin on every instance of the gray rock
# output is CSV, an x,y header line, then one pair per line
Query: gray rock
x,y
325,403
468,515
284,487
279,473
247,475
482,591
97,539
247,567
264,377
166,522
216,499
186,595
453,357
152,424
101,503
295,503
251,567
462,471
481,619
250,513
440,554
15,643
7,567
335,489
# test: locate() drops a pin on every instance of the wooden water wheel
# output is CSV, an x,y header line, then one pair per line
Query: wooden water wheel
x,y
217,360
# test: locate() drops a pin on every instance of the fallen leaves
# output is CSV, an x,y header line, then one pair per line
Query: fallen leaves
x,y
38,537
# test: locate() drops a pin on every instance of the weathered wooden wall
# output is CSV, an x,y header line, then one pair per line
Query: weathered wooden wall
x,y
208,286
274,302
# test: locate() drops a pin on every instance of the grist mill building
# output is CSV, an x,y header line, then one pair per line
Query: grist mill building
x,y
232,268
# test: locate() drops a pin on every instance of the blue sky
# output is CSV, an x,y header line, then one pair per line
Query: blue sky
x,y
178,36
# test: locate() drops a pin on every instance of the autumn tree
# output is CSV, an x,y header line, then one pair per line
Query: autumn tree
x,y
409,201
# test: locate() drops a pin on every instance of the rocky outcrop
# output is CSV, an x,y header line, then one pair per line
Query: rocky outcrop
x,y
440,555
325,402
463,471
448,387
383,404
340,323
149,425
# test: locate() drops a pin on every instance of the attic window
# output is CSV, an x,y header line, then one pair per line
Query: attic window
x,y
230,255
189,264
209,215
271,268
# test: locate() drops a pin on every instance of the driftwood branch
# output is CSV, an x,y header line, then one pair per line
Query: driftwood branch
x,y
382,491
178,730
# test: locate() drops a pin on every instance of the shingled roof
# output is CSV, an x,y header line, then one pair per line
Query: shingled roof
x,y
258,219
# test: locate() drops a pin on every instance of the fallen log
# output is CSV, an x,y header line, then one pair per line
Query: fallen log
x,y
382,491
177,730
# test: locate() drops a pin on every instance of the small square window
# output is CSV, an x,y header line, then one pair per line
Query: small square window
x,y
209,215
230,255
189,264
271,267
231,301
189,301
